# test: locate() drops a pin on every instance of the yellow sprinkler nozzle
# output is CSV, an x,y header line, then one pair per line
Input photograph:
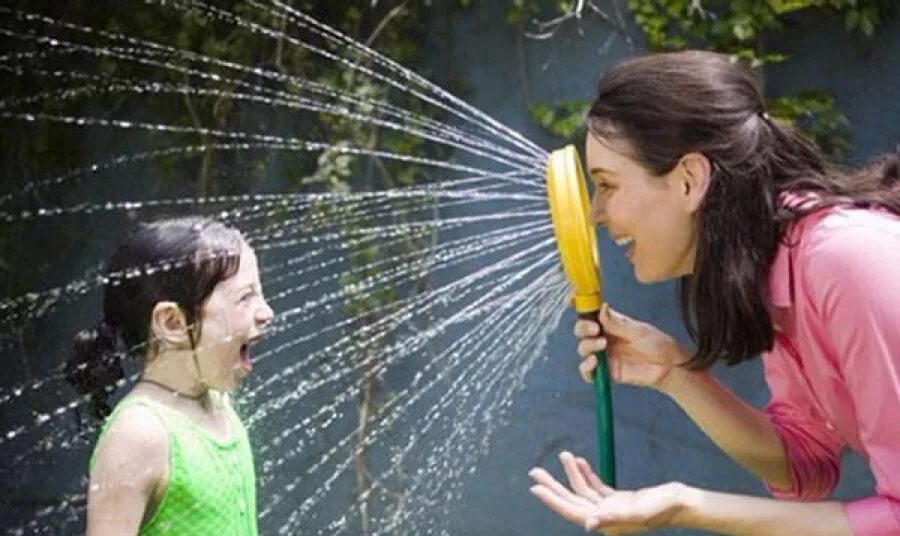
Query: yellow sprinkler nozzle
x,y
575,235
577,243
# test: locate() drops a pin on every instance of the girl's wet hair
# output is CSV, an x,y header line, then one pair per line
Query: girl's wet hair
x,y
664,106
179,260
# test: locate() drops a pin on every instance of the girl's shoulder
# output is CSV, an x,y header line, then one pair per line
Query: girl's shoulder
x,y
135,430
130,460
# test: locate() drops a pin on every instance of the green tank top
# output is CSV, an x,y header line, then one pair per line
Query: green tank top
x,y
212,485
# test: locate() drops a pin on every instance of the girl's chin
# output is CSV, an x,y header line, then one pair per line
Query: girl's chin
x,y
239,374
228,384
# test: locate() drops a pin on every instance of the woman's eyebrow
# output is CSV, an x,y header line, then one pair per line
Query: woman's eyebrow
x,y
596,169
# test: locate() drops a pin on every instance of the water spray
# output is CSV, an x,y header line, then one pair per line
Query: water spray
x,y
577,243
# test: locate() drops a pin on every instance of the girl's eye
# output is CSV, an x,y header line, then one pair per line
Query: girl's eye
x,y
247,296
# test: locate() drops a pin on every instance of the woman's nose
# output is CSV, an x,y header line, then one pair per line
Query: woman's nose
x,y
598,210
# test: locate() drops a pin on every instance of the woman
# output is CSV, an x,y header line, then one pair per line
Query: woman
x,y
173,457
778,255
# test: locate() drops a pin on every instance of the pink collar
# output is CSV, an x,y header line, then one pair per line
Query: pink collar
x,y
781,272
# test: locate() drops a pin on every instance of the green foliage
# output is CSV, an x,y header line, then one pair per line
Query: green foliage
x,y
563,118
521,11
730,27
739,28
815,112
736,26
861,15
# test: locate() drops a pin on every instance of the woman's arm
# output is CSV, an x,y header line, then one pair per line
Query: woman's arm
x,y
745,433
852,283
129,474
640,354
741,515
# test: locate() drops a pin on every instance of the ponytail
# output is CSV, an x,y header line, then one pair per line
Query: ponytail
x,y
95,365
884,170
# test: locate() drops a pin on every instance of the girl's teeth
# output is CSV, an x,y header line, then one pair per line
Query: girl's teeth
x,y
624,241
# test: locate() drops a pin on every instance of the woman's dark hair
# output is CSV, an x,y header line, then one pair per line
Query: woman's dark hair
x,y
666,105
179,260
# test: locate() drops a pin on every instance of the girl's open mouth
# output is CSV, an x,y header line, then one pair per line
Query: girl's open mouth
x,y
246,361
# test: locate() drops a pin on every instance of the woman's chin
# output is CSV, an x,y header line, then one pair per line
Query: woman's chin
x,y
642,276
647,275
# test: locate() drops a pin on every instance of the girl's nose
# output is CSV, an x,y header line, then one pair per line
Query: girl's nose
x,y
264,314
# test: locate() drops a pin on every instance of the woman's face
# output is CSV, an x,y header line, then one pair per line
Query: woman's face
x,y
645,213
233,318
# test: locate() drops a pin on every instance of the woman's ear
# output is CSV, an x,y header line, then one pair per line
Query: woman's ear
x,y
694,174
169,326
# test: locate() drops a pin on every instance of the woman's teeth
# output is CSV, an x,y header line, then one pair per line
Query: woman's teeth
x,y
624,241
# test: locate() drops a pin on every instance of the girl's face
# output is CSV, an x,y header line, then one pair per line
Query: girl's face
x,y
645,213
233,318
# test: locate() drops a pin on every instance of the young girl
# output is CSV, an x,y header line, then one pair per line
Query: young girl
x,y
778,255
173,457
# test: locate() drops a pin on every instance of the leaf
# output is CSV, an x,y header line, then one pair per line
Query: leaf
x,y
851,20
865,24
786,6
743,32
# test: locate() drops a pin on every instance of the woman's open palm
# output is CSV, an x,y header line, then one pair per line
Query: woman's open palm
x,y
589,502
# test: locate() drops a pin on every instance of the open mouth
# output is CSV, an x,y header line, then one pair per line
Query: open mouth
x,y
246,360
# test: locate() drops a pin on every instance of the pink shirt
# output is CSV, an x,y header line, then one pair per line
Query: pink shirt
x,y
834,371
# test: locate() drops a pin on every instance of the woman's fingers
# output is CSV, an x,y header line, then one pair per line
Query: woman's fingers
x,y
586,328
588,347
586,368
567,509
617,324
545,480
542,477
576,478
591,478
